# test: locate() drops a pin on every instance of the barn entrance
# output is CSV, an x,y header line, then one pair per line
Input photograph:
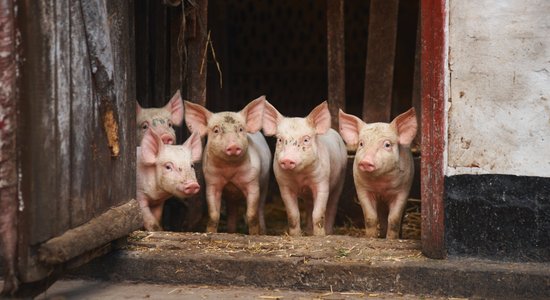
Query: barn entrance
x,y
240,50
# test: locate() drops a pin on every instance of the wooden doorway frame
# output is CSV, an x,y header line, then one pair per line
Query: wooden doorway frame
x,y
433,16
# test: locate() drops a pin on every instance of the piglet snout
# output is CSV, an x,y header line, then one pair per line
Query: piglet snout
x,y
287,164
167,140
366,166
233,150
190,188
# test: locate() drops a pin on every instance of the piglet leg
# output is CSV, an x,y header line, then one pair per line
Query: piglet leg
x,y
368,204
252,208
214,199
397,207
319,209
149,221
292,210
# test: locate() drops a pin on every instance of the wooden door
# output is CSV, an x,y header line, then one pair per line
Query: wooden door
x,y
72,139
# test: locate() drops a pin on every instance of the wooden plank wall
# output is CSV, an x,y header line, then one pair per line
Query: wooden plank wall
x,y
69,172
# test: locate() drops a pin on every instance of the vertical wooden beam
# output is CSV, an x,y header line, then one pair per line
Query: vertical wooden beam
x,y
433,24
416,99
336,59
380,60
160,60
194,83
8,153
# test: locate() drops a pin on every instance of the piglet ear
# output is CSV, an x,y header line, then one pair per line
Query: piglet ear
x,y
319,117
254,113
175,107
151,145
350,126
406,126
271,118
196,117
195,145
138,108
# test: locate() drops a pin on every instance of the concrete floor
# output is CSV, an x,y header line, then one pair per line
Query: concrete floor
x,y
91,289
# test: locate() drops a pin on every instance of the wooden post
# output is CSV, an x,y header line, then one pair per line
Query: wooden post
x,y
433,22
380,60
196,31
416,97
336,59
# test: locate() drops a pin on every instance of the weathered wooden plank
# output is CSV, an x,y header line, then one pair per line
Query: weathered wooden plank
x,y
99,44
403,71
380,60
82,115
41,163
143,74
122,169
8,143
113,224
336,59
433,22
194,87
160,49
62,74
176,48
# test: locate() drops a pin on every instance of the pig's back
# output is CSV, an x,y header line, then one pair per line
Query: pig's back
x,y
337,152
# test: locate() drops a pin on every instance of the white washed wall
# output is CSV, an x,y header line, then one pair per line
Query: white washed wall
x,y
499,87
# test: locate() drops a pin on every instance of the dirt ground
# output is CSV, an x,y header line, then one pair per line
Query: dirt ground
x,y
86,289
333,248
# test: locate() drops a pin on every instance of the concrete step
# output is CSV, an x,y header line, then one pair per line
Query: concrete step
x,y
335,263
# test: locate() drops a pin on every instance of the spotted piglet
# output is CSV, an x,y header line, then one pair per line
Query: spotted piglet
x,y
162,119
310,163
383,168
235,162
164,171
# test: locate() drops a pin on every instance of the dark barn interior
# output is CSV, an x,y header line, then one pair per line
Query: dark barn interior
x,y
278,49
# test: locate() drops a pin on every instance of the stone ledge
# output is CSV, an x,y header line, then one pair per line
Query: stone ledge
x,y
339,263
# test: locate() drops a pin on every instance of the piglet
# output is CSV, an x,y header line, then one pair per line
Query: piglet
x,y
235,163
383,168
161,119
164,171
310,163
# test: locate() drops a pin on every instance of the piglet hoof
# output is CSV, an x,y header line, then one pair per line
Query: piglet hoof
x,y
392,234
294,232
254,230
211,228
371,232
319,232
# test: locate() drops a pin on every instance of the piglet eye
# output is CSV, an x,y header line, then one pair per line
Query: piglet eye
x,y
387,145
144,125
170,124
168,167
193,166
361,144
216,130
306,139
241,129
279,140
